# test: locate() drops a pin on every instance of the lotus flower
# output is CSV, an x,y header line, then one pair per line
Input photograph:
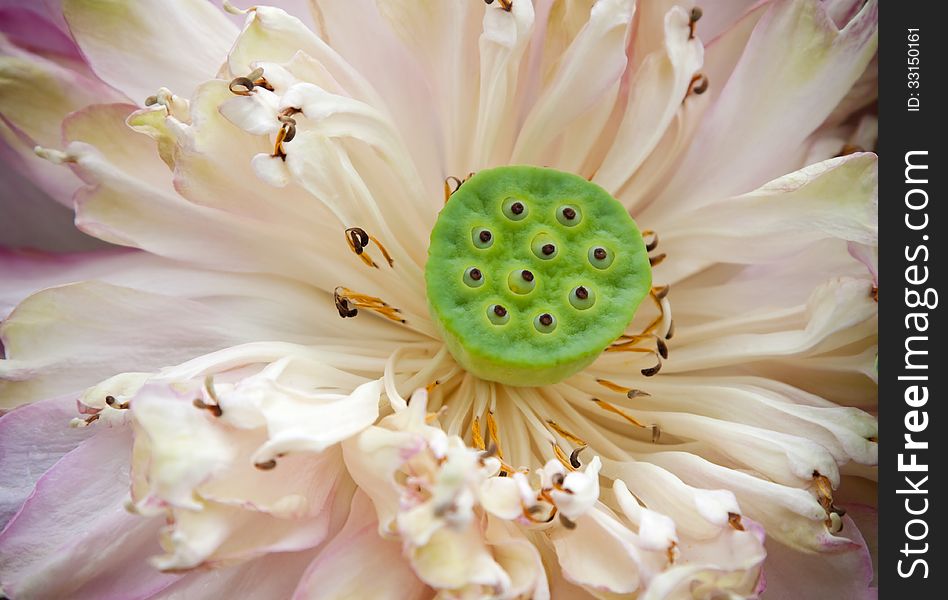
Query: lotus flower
x,y
247,386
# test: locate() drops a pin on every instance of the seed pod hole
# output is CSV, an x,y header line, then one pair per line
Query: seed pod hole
x,y
544,247
581,297
473,277
521,281
515,209
601,257
569,215
482,238
498,314
545,323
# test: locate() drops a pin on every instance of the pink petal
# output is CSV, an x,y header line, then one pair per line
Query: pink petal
x,y
844,575
382,572
138,47
73,537
32,439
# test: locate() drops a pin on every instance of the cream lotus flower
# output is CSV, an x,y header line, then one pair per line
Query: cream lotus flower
x,y
232,435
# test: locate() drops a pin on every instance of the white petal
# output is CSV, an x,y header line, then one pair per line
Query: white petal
x,y
138,47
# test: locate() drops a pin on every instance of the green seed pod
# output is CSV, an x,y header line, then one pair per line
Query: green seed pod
x,y
560,275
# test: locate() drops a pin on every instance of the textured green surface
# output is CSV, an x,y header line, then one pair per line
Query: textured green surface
x,y
519,349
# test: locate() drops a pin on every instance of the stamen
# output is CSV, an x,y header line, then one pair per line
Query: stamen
x,y
574,457
566,522
241,86
214,409
457,183
151,100
734,520
693,19
618,411
824,494
570,437
506,5
267,465
657,259
112,402
874,293
632,340
698,85
492,432
348,302
358,239
628,347
650,245
564,460
615,387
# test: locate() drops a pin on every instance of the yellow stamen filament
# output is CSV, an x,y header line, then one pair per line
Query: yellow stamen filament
x,y
563,458
476,438
345,297
618,411
570,437
621,389
492,432
453,184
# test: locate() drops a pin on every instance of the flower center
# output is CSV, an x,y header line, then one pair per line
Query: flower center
x,y
532,273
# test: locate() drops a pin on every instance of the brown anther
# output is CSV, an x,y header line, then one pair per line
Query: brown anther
x,y
698,85
582,293
693,19
671,552
528,276
500,311
652,371
600,253
475,274
662,347
661,291
734,520
558,479
656,433
267,465
874,293
111,401
574,457
516,208
151,100
548,249
569,214
653,243
242,86
214,409
358,239
546,319
657,259
506,5
348,301
566,522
